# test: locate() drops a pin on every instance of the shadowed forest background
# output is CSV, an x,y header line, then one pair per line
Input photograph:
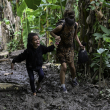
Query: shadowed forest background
x,y
20,17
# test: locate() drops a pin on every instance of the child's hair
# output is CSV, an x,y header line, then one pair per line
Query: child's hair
x,y
29,40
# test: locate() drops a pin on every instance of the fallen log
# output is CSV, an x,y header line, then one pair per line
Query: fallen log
x,y
4,59
10,87
4,54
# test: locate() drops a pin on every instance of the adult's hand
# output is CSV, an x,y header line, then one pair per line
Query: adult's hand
x,y
55,44
82,47
57,39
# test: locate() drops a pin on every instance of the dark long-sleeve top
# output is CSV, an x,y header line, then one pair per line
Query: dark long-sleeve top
x,y
33,57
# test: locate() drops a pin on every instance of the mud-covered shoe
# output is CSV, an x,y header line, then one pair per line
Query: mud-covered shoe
x,y
75,83
63,90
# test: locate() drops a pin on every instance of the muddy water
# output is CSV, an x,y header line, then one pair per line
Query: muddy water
x,y
84,97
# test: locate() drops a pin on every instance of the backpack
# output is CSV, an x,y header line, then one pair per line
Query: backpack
x,y
63,21
82,55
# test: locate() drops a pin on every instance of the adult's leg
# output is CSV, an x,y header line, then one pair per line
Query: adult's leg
x,y
72,69
73,73
31,77
63,69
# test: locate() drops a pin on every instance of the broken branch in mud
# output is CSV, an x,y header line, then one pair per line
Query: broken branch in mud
x,y
4,59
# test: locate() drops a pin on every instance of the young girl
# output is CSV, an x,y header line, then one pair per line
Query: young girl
x,y
33,56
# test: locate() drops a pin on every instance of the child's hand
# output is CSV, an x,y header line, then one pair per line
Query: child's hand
x,y
12,66
56,44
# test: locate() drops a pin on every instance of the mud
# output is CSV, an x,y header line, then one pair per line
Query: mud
x,y
84,97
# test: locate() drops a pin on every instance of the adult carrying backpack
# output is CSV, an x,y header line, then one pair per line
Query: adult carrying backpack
x,y
63,21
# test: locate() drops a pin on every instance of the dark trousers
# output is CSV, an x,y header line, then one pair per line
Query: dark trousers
x,y
31,76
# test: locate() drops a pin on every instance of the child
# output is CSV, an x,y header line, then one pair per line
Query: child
x,y
33,56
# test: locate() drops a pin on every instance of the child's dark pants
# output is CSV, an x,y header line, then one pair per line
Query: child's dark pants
x,y
31,76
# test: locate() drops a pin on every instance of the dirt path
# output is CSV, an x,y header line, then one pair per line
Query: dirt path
x,y
84,97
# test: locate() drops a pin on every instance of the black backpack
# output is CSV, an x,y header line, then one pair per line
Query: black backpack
x,y
82,55
63,21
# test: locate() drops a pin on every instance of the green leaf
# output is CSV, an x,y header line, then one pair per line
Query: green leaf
x,y
92,2
106,62
98,35
97,4
96,55
26,30
92,64
108,65
107,4
95,69
107,39
7,22
52,6
49,28
108,55
52,1
35,13
101,50
105,30
93,7
109,21
43,1
20,9
33,4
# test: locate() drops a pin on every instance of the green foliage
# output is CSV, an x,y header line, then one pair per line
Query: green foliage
x,y
105,35
21,8
25,31
13,45
45,57
76,10
102,51
17,33
37,16
52,1
7,22
33,4
13,3
105,30
98,35
96,3
106,4
52,6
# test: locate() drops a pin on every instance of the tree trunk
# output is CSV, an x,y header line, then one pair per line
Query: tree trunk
x,y
7,30
1,10
69,4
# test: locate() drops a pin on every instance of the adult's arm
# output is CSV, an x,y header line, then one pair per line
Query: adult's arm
x,y
55,31
76,36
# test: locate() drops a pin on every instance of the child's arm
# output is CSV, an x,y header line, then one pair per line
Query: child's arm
x,y
19,58
47,49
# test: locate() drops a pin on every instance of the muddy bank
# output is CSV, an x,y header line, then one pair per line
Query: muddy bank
x,y
84,97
